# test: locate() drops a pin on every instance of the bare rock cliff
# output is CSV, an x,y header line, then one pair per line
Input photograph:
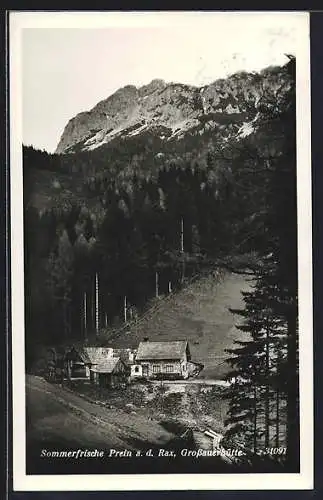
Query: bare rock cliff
x,y
172,109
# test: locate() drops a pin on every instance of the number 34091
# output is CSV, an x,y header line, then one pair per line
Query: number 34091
x,y
276,451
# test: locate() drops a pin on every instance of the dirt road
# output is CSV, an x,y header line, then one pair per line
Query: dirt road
x,y
55,414
59,420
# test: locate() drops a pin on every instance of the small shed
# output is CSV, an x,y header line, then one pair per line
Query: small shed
x,y
128,356
79,360
77,363
112,372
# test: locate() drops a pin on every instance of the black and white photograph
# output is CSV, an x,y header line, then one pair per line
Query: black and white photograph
x,y
161,250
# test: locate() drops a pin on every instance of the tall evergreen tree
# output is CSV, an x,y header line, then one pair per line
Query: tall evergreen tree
x,y
276,285
253,368
60,271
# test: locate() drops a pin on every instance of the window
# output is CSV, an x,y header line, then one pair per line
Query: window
x,y
156,369
136,369
169,368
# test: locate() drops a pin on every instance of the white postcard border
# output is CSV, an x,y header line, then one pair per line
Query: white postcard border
x,y
22,482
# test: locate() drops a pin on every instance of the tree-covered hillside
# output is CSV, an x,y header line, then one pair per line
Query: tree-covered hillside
x,y
137,207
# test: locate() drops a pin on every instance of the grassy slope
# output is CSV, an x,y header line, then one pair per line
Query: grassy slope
x,y
198,313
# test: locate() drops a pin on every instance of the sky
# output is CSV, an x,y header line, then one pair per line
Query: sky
x,y
68,64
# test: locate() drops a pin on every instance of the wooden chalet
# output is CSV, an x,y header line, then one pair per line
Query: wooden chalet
x,y
163,360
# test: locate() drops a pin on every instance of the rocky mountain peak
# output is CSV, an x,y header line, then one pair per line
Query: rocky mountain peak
x,y
174,109
153,86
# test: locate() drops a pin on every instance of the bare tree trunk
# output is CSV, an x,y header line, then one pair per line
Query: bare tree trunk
x,y
125,309
255,421
277,419
182,235
68,370
267,392
85,315
92,308
292,394
96,303
156,285
182,252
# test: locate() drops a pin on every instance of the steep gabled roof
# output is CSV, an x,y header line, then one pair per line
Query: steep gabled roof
x,y
106,366
74,352
161,350
83,355
124,354
97,355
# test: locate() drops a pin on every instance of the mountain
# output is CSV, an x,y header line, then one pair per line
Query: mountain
x,y
229,107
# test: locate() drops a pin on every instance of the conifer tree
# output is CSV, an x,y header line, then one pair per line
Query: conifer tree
x,y
60,270
251,364
270,313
